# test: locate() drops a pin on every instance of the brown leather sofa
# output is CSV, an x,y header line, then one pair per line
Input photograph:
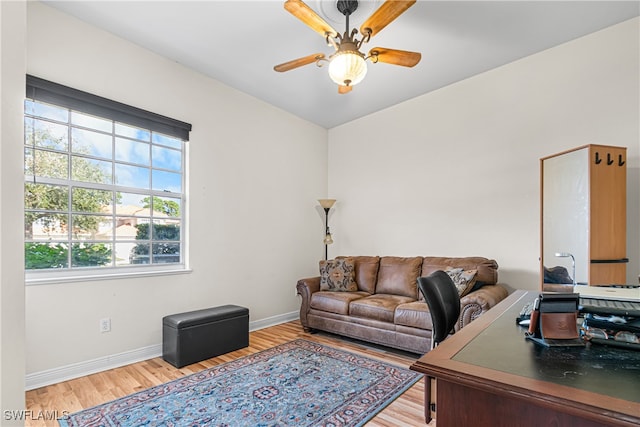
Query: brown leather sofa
x,y
387,308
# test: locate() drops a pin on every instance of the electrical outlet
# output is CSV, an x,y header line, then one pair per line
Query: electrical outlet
x,y
105,324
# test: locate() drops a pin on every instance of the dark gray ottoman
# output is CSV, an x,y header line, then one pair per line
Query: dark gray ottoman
x,y
198,335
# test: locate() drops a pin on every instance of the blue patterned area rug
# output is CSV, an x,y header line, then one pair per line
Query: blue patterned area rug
x,y
300,383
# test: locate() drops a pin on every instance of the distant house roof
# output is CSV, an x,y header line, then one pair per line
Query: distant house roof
x,y
122,231
133,210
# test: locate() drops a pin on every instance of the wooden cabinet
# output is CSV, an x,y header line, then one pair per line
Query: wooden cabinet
x,y
583,213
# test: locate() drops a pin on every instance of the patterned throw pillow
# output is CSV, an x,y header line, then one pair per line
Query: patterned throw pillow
x,y
338,275
463,279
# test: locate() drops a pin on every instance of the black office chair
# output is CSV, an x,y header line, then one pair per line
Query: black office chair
x,y
443,300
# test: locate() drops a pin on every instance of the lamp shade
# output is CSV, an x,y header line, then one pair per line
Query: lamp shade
x,y
326,203
347,68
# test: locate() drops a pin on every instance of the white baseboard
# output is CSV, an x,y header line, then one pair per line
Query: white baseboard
x,y
272,321
80,369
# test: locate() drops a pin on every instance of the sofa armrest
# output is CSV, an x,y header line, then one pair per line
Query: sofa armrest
x,y
479,302
305,288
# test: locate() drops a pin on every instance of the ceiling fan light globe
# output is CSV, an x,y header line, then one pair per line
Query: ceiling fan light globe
x,y
347,68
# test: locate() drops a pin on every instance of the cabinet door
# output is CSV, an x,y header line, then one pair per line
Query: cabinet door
x,y
565,214
608,209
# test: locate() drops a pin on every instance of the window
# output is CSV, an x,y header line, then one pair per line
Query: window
x,y
104,185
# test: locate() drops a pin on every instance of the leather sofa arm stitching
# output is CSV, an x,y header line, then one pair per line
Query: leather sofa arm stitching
x,y
305,288
474,304
310,283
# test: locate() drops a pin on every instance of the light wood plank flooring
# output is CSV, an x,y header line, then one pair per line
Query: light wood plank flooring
x,y
85,392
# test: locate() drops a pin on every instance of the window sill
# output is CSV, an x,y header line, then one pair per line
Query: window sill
x,y
50,280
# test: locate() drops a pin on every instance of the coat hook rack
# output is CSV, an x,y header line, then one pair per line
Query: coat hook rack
x,y
609,159
620,161
598,159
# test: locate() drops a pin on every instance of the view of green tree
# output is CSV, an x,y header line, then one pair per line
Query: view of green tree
x,y
168,207
90,255
160,232
164,232
49,197
47,205
45,255
43,197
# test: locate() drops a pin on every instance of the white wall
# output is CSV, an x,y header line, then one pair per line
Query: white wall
x,y
12,324
255,173
456,172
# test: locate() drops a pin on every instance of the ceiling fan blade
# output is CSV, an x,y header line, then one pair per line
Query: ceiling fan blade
x,y
304,13
344,89
298,62
384,15
395,56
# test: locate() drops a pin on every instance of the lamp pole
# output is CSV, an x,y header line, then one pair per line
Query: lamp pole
x,y
326,233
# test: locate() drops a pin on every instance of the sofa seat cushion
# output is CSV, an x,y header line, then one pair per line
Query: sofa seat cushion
x,y
380,307
413,314
334,301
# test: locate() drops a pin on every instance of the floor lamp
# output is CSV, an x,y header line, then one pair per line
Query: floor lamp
x,y
326,205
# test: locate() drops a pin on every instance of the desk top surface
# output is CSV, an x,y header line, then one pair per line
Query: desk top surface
x,y
492,354
600,369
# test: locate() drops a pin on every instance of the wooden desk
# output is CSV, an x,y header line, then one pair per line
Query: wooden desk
x,y
487,374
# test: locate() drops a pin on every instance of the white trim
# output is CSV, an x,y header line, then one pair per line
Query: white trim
x,y
104,275
274,320
81,369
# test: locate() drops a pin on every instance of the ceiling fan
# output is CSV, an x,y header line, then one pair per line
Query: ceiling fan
x,y
347,65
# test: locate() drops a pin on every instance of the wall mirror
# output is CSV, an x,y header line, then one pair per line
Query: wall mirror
x,y
583,216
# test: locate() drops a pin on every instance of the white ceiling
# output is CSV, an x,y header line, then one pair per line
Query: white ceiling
x,y
238,43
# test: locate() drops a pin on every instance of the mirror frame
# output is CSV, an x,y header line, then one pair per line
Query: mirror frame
x,y
601,259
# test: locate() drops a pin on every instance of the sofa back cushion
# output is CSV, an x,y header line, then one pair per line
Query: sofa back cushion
x,y
366,272
487,268
399,276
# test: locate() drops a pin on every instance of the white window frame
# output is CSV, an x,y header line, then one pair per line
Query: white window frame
x,y
47,92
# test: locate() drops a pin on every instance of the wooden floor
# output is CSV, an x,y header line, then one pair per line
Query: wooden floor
x,y
85,392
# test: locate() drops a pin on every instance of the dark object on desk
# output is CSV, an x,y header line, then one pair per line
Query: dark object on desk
x,y
554,320
525,314
616,331
609,307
